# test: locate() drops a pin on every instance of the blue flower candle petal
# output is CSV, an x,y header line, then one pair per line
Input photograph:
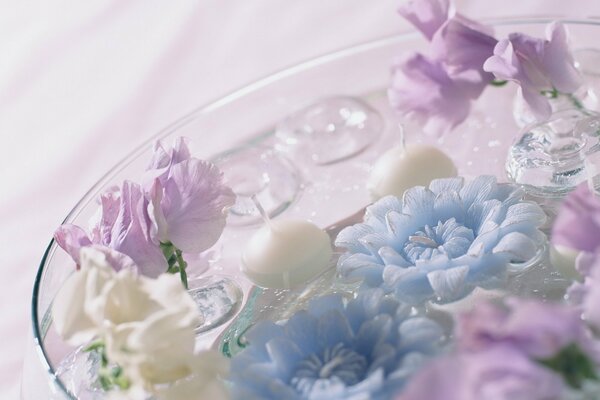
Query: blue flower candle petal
x,y
346,349
447,239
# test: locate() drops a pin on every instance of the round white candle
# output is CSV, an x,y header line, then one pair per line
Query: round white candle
x,y
286,253
563,258
402,168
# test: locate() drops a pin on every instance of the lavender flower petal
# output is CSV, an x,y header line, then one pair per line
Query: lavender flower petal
x,y
193,203
577,224
498,373
130,233
537,65
464,45
163,158
538,330
72,238
423,87
427,15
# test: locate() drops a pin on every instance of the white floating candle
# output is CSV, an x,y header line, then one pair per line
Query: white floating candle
x,y
284,254
287,253
402,168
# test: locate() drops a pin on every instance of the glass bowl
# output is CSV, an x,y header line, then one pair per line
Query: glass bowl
x,y
325,193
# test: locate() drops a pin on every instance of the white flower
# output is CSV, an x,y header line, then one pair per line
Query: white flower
x,y
154,341
146,325
73,307
204,383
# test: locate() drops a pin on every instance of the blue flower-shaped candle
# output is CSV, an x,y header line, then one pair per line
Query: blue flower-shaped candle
x,y
439,243
365,348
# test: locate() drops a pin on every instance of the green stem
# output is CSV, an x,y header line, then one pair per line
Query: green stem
x,y
177,264
573,364
498,83
576,102
108,376
182,267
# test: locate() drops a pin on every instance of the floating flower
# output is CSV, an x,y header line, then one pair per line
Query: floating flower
x,y
188,203
540,67
143,328
181,209
464,45
536,329
586,295
439,88
123,224
164,157
423,88
365,348
577,224
523,349
427,16
576,232
443,241
498,373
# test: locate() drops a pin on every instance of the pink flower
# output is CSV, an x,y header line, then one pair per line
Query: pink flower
x,y
523,351
577,225
188,200
123,225
428,16
439,88
536,329
537,65
464,45
498,373
423,88
586,295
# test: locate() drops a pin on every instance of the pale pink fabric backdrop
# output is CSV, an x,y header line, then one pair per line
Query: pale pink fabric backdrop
x,y
83,82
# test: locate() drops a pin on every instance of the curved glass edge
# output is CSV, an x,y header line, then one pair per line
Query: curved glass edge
x,y
288,71
38,336
222,101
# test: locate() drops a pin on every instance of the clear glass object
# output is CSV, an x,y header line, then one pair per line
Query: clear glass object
x,y
246,121
262,172
330,130
549,159
587,61
584,99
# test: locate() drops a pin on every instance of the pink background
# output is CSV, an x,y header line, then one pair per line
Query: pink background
x,y
82,83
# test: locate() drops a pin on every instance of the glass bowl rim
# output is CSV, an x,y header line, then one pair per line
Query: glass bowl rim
x,y
220,102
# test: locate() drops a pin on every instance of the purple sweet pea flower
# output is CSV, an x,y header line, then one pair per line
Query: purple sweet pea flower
x,y
423,88
439,89
427,16
577,225
163,158
498,373
124,225
464,45
72,238
535,329
586,295
511,353
188,200
460,43
537,65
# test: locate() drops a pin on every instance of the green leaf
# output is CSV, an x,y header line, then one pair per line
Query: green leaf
x,y
95,346
105,382
573,364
